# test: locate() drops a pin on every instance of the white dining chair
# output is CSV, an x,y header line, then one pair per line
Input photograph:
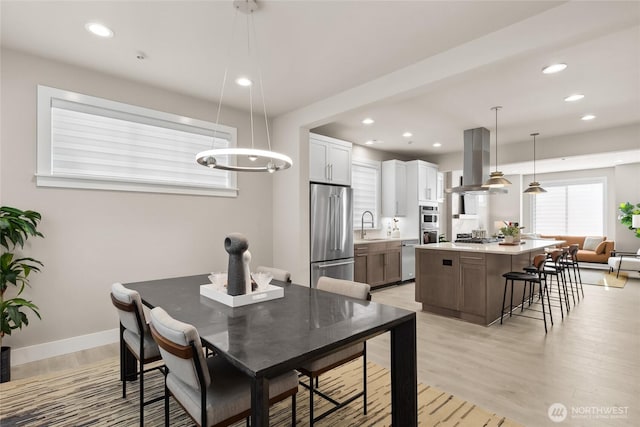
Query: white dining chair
x,y
210,389
314,369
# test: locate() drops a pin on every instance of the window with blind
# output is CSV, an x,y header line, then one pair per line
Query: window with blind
x,y
365,183
570,208
88,142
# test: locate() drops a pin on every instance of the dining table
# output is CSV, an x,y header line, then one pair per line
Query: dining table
x,y
268,338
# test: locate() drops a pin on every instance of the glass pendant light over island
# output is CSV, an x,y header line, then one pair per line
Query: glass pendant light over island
x,y
497,179
232,158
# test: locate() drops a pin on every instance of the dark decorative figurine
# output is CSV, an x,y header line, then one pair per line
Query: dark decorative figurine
x,y
236,244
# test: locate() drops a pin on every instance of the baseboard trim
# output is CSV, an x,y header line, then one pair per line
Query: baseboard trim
x,y
65,346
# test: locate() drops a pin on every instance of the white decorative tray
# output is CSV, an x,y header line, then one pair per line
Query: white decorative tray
x,y
264,293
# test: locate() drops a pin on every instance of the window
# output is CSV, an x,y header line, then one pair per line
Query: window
x,y
365,182
570,208
88,142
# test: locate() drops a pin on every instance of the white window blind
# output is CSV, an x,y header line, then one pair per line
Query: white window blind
x,y
570,208
365,183
94,143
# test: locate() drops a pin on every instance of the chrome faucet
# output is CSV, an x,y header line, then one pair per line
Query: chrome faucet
x,y
362,232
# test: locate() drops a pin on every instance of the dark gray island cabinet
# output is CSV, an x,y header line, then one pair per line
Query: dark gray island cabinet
x,y
465,280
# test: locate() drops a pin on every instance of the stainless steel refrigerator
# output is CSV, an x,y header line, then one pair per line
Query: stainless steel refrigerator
x,y
331,214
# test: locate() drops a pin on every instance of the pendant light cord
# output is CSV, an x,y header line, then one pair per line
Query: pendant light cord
x,y
224,77
534,157
534,154
250,14
496,109
264,105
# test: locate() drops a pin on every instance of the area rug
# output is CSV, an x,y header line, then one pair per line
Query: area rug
x,y
603,278
92,395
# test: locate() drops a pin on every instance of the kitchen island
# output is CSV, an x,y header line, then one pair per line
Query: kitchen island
x,y
464,280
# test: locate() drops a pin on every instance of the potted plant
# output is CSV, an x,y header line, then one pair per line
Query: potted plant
x,y
16,226
627,211
511,232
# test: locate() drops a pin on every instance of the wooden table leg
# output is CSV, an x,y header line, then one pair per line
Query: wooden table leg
x,y
404,377
259,402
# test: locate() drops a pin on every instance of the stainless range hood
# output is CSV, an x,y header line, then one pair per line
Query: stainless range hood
x,y
476,164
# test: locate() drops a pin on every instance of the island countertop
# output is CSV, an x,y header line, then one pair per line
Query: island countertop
x,y
493,248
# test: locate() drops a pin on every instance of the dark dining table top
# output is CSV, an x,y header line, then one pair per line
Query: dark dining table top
x,y
270,337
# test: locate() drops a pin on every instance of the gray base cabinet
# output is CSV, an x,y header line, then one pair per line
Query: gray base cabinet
x,y
465,285
379,263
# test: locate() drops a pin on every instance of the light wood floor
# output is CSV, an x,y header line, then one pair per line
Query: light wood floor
x,y
589,360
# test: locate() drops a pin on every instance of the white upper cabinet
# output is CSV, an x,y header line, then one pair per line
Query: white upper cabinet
x,y
429,182
422,182
394,188
329,160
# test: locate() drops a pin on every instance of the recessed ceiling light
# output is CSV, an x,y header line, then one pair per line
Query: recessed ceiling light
x,y
98,29
407,134
368,121
587,117
554,68
243,81
437,144
369,142
574,97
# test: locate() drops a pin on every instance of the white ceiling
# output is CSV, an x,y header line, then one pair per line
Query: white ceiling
x,y
312,50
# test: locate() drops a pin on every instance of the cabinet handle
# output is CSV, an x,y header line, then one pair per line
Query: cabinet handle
x,y
331,171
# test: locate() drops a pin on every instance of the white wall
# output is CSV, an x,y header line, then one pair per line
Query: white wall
x,y
627,189
95,238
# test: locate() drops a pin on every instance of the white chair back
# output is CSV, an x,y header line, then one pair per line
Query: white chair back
x,y
179,334
128,318
278,274
344,287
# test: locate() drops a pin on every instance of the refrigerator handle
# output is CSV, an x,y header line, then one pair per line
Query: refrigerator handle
x,y
334,264
340,214
332,220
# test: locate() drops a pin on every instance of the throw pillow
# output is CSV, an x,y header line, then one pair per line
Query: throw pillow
x,y
600,248
590,243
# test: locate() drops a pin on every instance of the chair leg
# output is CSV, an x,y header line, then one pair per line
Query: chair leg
x,y
524,291
546,291
544,316
580,278
122,363
166,402
511,305
559,295
504,298
293,410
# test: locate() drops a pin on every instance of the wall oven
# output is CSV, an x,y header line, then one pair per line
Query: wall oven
x,y
429,217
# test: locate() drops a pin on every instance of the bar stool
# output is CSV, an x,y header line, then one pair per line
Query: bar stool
x,y
553,267
529,278
571,263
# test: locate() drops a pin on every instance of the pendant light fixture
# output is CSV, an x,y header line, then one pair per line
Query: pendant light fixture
x,y
534,187
234,158
497,179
